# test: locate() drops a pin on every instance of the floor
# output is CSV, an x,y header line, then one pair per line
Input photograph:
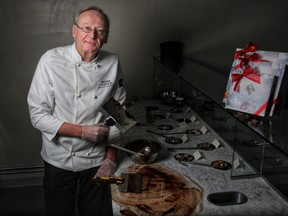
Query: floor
x,y
23,201
26,200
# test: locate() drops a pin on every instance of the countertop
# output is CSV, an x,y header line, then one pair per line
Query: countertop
x,y
263,199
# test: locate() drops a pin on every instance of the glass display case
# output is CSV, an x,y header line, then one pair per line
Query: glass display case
x,y
260,145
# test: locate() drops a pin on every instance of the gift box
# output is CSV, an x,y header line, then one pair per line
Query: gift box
x,y
255,80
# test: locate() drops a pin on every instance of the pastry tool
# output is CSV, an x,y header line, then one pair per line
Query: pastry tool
x,y
128,182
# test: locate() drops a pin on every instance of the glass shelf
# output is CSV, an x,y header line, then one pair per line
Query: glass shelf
x,y
261,143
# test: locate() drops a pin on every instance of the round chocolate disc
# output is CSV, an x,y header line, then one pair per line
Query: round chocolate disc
x,y
183,157
173,140
222,165
194,132
206,146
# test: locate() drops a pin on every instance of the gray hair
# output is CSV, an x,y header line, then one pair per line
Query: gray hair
x,y
107,20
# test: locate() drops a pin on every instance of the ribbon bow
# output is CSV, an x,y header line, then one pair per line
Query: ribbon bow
x,y
249,73
254,57
250,47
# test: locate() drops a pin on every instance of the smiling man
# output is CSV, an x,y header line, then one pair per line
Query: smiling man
x,y
65,99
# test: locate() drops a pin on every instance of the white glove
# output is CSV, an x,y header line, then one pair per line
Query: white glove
x,y
107,168
94,133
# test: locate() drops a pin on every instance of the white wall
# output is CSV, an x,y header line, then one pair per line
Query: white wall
x,y
209,29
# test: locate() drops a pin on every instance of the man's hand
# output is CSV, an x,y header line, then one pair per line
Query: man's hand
x,y
94,133
107,168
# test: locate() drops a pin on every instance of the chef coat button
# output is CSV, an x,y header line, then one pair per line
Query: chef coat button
x,y
72,153
77,64
79,95
95,97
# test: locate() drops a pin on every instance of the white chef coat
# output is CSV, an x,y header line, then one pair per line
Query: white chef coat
x,y
66,89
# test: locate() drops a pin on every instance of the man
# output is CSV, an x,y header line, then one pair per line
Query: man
x,y
68,89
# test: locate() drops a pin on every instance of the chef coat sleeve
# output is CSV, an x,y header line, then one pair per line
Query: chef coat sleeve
x,y
41,101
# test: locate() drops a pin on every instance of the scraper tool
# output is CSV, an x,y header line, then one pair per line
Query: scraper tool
x,y
132,183
128,182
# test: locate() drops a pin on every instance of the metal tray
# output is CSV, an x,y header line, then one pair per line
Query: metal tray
x,y
227,198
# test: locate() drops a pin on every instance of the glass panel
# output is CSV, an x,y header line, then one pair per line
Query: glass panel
x,y
260,145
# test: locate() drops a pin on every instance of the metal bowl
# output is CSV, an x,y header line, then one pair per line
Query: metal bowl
x,y
149,150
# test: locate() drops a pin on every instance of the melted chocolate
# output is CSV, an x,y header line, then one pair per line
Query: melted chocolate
x,y
164,192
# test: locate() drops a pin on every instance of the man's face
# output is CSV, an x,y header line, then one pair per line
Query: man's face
x,y
89,43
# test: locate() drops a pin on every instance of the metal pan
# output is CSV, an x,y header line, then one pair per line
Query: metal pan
x,y
149,149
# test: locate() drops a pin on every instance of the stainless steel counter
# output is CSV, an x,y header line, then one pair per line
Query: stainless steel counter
x,y
262,198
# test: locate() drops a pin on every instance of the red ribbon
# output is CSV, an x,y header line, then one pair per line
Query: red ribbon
x,y
249,73
255,57
250,47
263,107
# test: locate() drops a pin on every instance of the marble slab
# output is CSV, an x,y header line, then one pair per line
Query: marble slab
x,y
263,199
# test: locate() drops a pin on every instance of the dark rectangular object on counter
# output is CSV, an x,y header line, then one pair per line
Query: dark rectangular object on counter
x,y
227,198
171,55
132,183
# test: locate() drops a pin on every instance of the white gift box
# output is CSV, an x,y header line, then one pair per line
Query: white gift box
x,y
254,81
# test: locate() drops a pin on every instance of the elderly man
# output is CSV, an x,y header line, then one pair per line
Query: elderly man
x,y
69,87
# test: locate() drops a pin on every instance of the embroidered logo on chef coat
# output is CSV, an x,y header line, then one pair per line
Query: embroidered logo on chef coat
x,y
105,83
